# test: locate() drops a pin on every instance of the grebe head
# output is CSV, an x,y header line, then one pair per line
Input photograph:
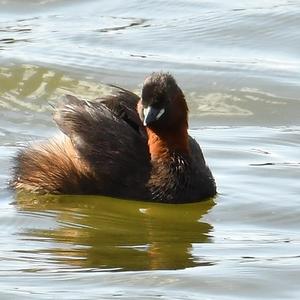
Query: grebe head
x,y
162,102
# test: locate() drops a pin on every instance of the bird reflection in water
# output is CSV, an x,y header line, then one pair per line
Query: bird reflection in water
x,y
112,234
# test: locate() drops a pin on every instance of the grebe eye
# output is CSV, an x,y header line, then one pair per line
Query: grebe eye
x,y
160,99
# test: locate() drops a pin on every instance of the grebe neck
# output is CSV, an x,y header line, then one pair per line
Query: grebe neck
x,y
163,144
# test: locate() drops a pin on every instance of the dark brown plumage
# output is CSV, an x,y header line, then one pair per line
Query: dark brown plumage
x,y
121,146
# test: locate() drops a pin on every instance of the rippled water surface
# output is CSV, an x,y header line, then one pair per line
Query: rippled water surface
x,y
238,63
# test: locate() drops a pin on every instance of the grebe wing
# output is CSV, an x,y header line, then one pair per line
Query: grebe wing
x,y
123,104
101,136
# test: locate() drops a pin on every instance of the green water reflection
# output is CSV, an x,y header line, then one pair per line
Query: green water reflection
x,y
106,233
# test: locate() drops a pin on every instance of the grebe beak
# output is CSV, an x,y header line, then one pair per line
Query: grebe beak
x,y
152,114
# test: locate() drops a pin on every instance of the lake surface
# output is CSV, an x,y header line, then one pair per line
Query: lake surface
x,y
239,66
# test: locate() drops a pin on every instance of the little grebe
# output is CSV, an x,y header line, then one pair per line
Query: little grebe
x,y
121,146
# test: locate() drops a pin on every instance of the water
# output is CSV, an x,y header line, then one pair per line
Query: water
x,y
238,64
